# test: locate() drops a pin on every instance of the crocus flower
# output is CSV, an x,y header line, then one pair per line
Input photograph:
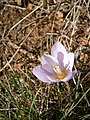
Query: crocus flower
x,y
56,67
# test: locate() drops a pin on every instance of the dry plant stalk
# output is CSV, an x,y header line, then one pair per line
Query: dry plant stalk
x,y
44,2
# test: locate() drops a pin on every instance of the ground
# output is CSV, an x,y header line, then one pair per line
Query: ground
x,y
27,32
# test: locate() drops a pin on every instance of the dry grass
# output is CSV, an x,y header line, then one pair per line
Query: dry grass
x,y
27,34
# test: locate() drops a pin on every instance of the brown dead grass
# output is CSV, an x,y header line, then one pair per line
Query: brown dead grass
x,y
21,47
37,33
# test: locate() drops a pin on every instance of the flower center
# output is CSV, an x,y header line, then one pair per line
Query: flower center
x,y
59,73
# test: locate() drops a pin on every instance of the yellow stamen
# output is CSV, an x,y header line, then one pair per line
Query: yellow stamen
x,y
59,73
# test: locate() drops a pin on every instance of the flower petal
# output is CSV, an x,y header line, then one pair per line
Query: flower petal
x,y
58,47
48,68
60,59
70,57
49,59
40,74
43,61
52,79
69,76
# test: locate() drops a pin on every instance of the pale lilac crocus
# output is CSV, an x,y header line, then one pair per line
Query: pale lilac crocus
x,y
56,67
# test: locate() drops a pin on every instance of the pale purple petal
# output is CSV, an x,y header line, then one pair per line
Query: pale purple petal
x,y
50,59
53,79
43,60
67,66
58,47
48,68
69,76
60,59
40,74
70,57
